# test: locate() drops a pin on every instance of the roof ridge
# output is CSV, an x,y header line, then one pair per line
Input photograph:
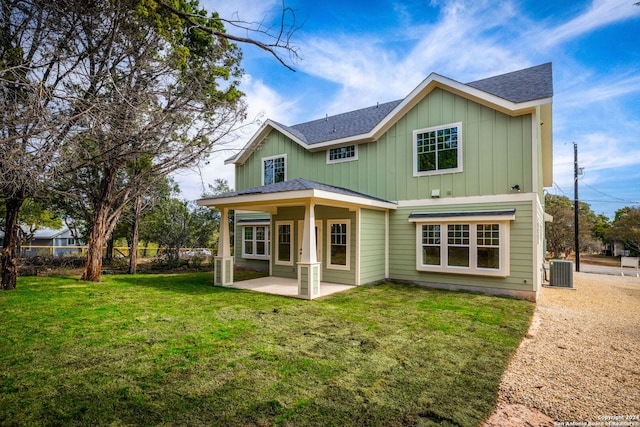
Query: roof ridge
x,y
357,110
512,72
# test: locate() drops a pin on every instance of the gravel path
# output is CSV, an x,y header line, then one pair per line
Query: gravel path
x,y
580,362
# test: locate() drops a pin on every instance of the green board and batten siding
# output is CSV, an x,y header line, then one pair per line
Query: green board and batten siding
x,y
402,248
497,154
326,213
372,246
322,213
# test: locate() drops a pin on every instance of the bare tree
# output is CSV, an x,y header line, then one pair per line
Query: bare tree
x,y
39,53
88,87
165,92
274,39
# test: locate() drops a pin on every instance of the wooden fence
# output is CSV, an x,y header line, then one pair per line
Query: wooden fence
x,y
28,251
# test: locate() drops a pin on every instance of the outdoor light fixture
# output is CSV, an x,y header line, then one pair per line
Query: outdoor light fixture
x,y
435,193
516,188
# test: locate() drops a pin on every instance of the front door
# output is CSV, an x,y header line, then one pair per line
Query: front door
x,y
318,242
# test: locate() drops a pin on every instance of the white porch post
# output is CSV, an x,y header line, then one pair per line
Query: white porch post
x,y
223,273
309,267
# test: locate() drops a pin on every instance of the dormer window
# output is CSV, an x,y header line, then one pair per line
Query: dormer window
x,y
437,150
342,154
274,169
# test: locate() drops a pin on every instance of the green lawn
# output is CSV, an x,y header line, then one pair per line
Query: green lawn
x,y
174,350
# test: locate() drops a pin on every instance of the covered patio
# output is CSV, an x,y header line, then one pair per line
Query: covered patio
x,y
286,287
308,198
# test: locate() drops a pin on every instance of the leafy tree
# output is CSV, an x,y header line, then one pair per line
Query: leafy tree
x,y
40,52
33,217
560,233
167,94
177,224
139,208
219,186
626,227
88,85
600,227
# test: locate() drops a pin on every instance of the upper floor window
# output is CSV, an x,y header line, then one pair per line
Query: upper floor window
x,y
437,150
274,169
342,154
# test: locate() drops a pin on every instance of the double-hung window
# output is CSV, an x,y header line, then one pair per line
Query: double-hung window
x,y
284,243
437,150
477,246
338,247
255,241
274,169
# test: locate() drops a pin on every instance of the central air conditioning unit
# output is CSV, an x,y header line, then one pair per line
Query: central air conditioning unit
x,y
561,273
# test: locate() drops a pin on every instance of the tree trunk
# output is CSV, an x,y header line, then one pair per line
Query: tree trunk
x,y
133,250
9,258
93,267
109,252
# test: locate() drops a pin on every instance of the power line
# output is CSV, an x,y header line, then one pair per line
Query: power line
x,y
559,189
616,199
610,201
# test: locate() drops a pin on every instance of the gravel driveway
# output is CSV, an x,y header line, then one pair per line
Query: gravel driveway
x,y
580,362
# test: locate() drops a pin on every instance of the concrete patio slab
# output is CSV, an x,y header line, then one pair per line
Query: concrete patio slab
x,y
286,287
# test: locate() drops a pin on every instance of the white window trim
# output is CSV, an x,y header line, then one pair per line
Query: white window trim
x,y
417,173
267,242
348,159
503,271
277,243
347,265
271,158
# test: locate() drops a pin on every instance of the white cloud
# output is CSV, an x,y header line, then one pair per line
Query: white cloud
x,y
457,46
262,103
598,90
244,10
600,14
468,41
599,154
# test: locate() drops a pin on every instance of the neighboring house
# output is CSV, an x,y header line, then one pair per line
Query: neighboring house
x,y
47,241
442,188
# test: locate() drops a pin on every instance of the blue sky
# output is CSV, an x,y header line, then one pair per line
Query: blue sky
x,y
357,53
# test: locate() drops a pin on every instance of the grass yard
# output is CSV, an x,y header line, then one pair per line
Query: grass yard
x,y
174,350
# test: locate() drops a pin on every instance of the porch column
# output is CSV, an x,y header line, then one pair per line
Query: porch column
x,y
223,262
309,267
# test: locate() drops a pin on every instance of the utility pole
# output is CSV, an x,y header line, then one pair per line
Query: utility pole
x,y
575,204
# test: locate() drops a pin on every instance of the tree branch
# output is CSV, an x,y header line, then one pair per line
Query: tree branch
x,y
268,47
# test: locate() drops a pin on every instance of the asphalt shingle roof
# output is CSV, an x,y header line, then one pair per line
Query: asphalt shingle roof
x,y
343,125
519,86
297,184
